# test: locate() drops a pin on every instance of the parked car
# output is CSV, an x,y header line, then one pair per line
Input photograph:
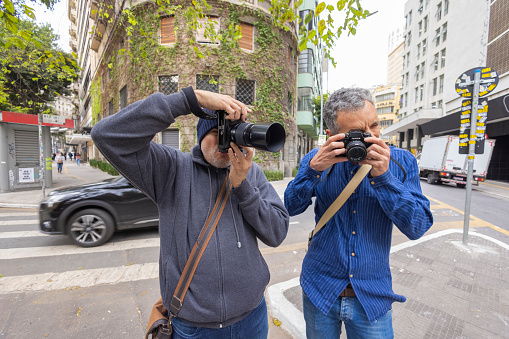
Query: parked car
x,y
90,214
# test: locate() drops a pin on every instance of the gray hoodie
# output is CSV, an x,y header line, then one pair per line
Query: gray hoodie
x,y
232,274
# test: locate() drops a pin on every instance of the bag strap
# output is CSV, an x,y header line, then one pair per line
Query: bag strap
x,y
198,249
340,200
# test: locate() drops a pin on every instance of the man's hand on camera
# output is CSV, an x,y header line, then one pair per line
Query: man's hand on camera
x,y
214,101
240,164
327,154
379,156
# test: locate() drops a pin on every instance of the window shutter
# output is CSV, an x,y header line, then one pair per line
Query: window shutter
x,y
200,32
168,30
246,42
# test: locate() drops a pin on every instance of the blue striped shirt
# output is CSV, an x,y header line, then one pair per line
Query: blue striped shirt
x,y
354,245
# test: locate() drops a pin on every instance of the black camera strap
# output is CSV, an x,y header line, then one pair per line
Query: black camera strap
x,y
340,200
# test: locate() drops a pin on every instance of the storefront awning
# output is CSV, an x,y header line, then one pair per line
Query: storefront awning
x,y
77,139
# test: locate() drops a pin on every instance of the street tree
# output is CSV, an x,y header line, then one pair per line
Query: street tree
x,y
33,74
317,107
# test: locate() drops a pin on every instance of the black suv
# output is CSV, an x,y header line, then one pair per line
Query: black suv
x,y
91,213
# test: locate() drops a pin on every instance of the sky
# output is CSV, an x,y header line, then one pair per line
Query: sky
x,y
361,58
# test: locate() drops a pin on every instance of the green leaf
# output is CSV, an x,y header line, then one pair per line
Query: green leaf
x,y
330,8
319,9
9,6
308,18
303,43
341,4
74,55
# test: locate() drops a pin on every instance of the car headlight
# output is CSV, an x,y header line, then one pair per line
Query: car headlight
x,y
53,200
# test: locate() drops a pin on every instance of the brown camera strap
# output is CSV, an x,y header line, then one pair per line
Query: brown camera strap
x,y
340,200
198,249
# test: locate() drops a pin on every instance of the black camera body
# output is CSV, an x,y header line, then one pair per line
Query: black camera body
x,y
355,145
264,136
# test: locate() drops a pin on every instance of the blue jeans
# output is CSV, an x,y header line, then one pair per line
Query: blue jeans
x,y
59,166
348,310
78,161
254,326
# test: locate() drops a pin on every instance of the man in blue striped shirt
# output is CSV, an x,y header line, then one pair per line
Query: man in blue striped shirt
x,y
346,275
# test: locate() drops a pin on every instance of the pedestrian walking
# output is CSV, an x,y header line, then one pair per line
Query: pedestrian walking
x,y
60,162
78,158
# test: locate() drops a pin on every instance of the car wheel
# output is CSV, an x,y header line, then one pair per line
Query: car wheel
x,y
461,185
431,179
90,227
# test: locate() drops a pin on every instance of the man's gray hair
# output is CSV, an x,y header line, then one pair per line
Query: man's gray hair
x,y
344,100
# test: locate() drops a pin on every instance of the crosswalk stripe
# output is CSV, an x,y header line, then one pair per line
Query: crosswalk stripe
x,y
25,234
17,214
49,251
78,279
19,222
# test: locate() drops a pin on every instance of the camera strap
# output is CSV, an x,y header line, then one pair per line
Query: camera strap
x,y
198,249
340,200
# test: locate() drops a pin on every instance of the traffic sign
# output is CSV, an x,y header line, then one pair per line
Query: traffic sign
x,y
53,119
482,115
465,83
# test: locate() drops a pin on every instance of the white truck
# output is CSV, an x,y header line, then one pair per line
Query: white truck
x,y
440,161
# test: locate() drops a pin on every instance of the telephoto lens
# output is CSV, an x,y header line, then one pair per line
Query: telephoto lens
x,y
263,136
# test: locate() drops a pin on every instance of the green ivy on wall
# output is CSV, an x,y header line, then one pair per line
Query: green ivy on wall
x,y
95,93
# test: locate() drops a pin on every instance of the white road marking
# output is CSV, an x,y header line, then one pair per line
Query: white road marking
x,y
294,222
50,251
17,214
25,234
19,222
78,279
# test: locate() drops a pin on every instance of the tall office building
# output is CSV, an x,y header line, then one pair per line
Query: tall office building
x,y
443,39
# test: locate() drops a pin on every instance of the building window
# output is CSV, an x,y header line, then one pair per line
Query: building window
x,y
245,91
408,59
406,99
409,38
418,51
440,103
384,97
421,6
441,87
442,58
425,24
167,30
433,105
385,123
420,28
302,15
168,84
289,60
407,76
207,82
444,32
123,97
247,40
110,107
435,86
421,92
385,110
446,7
305,99
203,33
435,62
437,37
403,81
417,71
438,14
416,95
422,70
404,56
306,61
424,47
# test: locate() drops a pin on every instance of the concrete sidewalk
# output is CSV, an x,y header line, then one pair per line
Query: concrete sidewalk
x,y
453,290
72,174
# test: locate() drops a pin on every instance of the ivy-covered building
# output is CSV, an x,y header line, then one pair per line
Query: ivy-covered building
x,y
131,56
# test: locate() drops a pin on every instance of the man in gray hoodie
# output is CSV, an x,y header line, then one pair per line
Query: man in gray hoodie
x,y
225,298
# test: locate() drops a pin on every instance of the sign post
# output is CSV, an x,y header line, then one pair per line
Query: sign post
x,y
473,84
41,158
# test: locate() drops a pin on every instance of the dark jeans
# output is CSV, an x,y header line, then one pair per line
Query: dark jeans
x,y
348,310
59,167
254,326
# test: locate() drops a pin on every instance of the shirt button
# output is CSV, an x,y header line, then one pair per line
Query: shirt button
x,y
351,275
353,211
353,254
351,172
317,176
372,183
353,232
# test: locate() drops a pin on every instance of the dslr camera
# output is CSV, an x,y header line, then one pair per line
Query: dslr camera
x,y
355,145
264,136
